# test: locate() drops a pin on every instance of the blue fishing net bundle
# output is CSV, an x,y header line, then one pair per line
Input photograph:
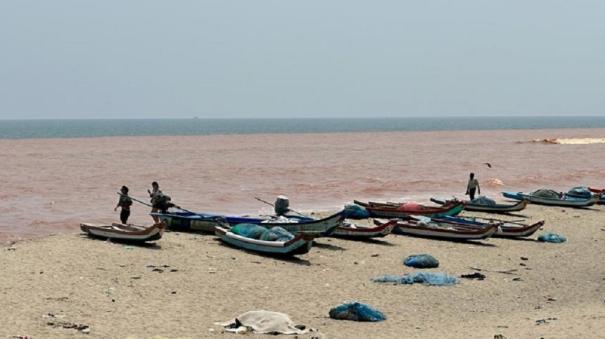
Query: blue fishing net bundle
x,y
353,211
276,234
552,238
253,231
421,261
356,311
248,230
426,278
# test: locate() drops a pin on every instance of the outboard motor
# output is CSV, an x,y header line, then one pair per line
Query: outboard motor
x,y
282,205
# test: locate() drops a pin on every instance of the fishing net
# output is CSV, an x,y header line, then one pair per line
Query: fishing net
x,y
356,311
552,238
353,211
248,230
426,278
484,201
421,261
276,234
546,193
580,192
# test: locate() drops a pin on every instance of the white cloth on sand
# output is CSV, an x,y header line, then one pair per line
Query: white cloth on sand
x,y
266,322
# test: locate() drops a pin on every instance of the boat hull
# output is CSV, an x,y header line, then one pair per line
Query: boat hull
x,y
393,210
565,202
299,245
506,229
446,232
124,232
207,223
346,231
497,208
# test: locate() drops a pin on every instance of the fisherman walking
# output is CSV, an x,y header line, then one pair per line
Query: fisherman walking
x,y
472,187
125,202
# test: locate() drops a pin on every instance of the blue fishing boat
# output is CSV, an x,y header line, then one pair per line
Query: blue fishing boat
x,y
206,222
551,198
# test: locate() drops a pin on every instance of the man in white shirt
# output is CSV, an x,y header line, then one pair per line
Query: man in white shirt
x,y
472,187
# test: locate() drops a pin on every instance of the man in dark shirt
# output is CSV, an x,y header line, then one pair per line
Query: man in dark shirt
x,y
125,202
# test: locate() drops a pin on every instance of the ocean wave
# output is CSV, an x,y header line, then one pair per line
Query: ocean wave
x,y
571,141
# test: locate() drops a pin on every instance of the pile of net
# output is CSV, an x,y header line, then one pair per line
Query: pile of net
x,y
265,322
426,278
353,211
421,261
357,312
552,238
546,193
261,233
580,192
483,201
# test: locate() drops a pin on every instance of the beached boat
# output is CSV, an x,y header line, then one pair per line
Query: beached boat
x,y
347,230
123,232
187,221
586,193
428,228
506,229
551,198
403,210
300,244
496,208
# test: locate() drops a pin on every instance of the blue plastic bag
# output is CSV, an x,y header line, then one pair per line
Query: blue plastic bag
x,y
353,211
421,261
426,278
552,237
357,312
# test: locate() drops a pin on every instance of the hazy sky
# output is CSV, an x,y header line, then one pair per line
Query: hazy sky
x,y
284,58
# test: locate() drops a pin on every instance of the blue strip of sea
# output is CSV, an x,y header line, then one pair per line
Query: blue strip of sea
x,y
24,129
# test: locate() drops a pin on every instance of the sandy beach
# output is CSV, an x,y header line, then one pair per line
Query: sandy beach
x,y
119,292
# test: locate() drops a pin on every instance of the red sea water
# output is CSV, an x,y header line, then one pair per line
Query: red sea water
x,y
51,185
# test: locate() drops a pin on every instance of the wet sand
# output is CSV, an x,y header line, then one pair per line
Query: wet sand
x,y
110,287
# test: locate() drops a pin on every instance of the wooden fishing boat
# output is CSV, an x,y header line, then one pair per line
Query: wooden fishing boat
x,y
403,210
187,221
506,229
132,233
440,230
497,208
347,230
562,200
300,244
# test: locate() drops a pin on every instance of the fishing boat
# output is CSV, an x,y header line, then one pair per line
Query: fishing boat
x,y
403,210
429,228
506,229
586,193
348,230
202,222
300,244
495,208
132,233
551,198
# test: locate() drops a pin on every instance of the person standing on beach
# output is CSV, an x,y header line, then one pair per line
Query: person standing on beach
x,y
160,202
125,202
472,187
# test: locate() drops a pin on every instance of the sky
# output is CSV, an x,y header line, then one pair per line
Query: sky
x,y
286,59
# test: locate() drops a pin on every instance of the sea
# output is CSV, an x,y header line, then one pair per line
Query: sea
x,y
24,129
55,174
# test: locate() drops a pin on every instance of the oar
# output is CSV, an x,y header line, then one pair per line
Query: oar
x,y
134,199
272,205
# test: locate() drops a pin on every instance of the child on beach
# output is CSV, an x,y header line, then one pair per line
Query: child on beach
x,y
125,202
472,187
